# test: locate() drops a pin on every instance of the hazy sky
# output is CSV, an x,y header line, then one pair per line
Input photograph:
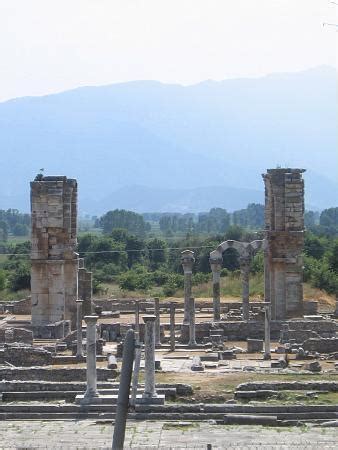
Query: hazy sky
x,y
52,45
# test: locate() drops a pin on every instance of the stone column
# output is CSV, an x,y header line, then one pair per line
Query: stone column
x,y
245,273
137,320
267,351
187,260
172,326
149,357
192,340
216,267
157,321
91,391
79,350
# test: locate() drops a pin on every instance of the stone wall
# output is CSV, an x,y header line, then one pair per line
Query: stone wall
x,y
53,374
23,306
321,345
24,355
10,335
241,331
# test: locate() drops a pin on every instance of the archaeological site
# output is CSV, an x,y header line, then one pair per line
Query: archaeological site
x,y
67,355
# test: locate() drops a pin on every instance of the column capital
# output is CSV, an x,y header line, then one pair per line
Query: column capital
x,y
79,301
187,260
91,319
149,318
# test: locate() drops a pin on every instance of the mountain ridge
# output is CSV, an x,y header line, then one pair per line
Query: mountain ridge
x,y
145,133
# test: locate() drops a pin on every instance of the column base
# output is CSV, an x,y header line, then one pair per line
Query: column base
x,y
154,400
267,357
87,399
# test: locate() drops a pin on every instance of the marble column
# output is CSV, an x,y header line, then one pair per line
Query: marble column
x,y
245,274
91,391
79,349
216,267
187,260
172,326
157,321
267,351
192,339
149,357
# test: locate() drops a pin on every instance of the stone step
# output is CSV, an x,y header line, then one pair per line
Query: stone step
x,y
13,396
110,416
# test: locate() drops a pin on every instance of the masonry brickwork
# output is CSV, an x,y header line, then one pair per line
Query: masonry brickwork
x,y
284,234
54,262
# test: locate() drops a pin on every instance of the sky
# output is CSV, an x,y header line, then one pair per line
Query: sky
x,y
48,46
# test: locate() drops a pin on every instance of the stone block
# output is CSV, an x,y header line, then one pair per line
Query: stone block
x,y
255,345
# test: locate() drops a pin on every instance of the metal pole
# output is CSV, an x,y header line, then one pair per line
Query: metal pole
x,y
124,389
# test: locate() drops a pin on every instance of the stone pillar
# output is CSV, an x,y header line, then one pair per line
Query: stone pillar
x,y
172,326
267,350
91,391
53,259
149,357
192,339
137,320
79,350
187,260
245,274
157,321
284,236
216,267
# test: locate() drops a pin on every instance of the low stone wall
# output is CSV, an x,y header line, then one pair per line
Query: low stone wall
x,y
23,306
10,335
321,345
25,355
241,331
331,386
52,374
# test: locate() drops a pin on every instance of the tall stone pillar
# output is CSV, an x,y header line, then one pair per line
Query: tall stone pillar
x,y
192,331
149,357
267,350
284,236
54,261
187,260
216,267
91,391
245,275
172,326
157,321
79,349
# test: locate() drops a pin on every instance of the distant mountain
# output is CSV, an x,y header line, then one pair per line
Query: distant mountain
x,y
177,142
141,199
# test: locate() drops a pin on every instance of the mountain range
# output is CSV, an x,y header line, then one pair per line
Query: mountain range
x,y
149,146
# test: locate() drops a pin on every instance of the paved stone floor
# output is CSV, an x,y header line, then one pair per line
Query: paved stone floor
x,y
161,435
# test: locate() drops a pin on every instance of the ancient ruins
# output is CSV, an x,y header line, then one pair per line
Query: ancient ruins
x,y
63,344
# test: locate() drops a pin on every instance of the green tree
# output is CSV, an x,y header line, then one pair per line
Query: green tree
x,y
157,253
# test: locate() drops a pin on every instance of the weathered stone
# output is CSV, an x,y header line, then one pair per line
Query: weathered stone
x,y
284,236
54,263
255,345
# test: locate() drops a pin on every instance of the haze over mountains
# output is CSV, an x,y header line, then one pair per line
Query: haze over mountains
x,y
148,146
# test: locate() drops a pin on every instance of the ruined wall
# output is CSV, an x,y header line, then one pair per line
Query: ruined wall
x,y
284,225
54,261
